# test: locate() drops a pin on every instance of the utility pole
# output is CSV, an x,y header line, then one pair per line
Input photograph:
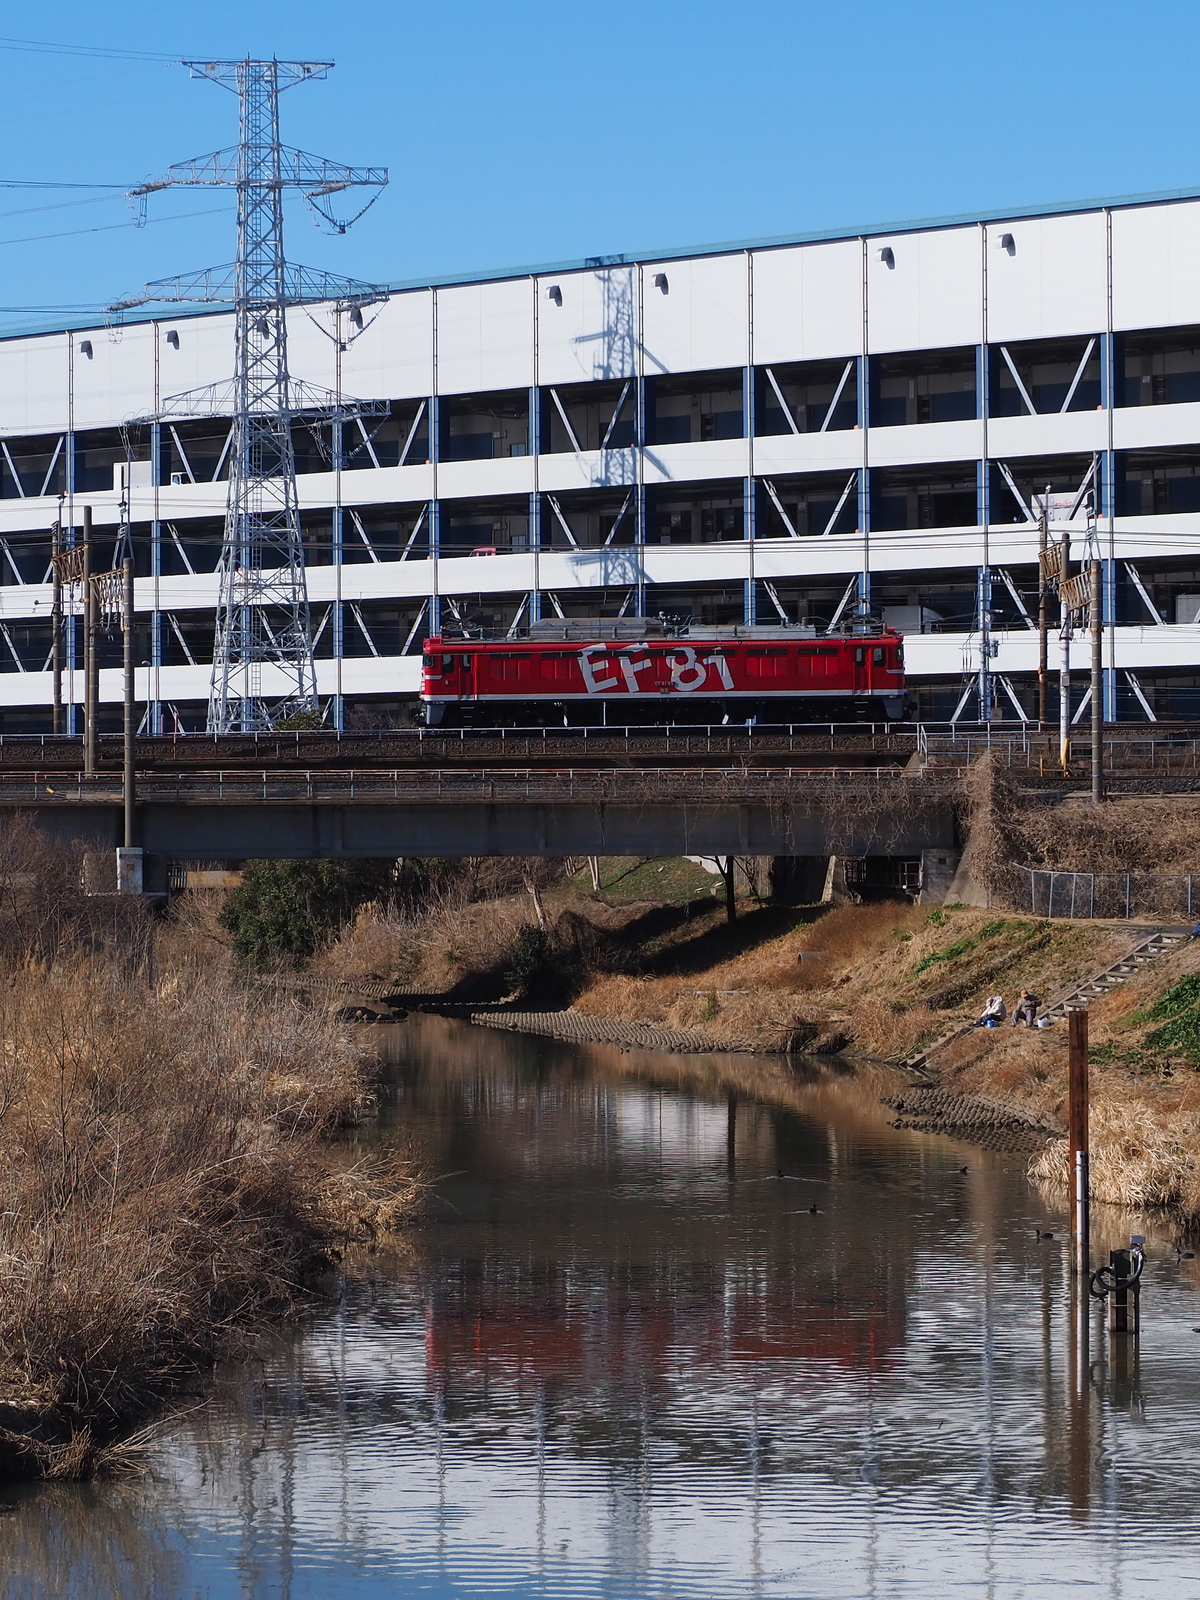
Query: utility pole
x,y
984,612
56,622
91,677
129,728
1096,628
1064,671
263,665
1043,619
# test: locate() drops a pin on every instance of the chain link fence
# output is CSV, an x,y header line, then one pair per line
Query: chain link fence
x,y
1111,894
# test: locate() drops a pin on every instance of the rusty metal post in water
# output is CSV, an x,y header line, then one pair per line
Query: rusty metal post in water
x,y
1077,1139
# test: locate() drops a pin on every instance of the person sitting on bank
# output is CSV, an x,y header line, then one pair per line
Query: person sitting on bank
x,y
994,1011
1026,1009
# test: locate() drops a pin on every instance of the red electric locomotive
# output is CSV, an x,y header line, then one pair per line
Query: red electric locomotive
x,y
601,671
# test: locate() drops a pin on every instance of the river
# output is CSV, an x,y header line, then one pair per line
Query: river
x,y
624,1357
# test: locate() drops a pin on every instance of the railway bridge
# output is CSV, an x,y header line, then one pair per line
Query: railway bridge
x,y
240,813
793,792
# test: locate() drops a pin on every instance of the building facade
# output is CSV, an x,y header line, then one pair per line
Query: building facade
x,y
788,432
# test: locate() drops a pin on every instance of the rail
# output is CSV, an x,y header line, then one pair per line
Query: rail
x,y
587,785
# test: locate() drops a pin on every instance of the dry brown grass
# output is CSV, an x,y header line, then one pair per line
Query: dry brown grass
x,y
1144,1162
165,1185
379,944
165,1188
1136,836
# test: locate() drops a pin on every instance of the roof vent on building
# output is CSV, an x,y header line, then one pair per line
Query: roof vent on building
x,y
554,292
888,256
173,338
85,348
660,282
1008,243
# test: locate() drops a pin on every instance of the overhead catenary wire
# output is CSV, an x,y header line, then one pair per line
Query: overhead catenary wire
x,y
110,227
87,51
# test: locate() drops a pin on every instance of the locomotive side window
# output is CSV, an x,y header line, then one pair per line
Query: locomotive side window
x,y
820,660
767,664
859,656
877,656
447,663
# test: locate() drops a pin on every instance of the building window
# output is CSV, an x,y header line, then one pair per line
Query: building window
x,y
590,520
198,450
30,467
484,427
485,527
700,605
806,397
1158,482
925,497
689,410
588,416
1015,484
1159,368
484,616
1040,376
708,514
399,439
812,504
923,386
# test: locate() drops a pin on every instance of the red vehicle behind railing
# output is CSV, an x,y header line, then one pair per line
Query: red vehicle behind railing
x,y
601,671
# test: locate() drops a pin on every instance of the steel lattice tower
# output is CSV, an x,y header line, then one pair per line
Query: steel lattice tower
x,y
263,667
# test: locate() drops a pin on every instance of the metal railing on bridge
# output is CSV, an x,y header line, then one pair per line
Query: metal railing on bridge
x,y
562,785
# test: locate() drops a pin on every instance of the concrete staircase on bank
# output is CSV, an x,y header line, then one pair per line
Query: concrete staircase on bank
x,y
1148,948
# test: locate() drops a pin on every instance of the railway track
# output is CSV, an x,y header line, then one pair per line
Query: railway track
x,y
1172,750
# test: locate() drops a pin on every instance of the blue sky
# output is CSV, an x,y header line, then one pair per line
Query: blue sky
x,y
532,131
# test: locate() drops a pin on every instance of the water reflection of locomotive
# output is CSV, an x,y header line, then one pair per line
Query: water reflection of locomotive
x,y
589,670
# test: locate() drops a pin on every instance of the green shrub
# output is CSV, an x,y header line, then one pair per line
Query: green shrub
x,y
285,910
531,960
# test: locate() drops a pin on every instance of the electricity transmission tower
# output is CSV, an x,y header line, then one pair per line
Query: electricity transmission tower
x,y
263,667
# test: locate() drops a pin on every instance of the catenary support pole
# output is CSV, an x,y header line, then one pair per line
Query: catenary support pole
x,y
1043,618
130,727
91,686
1096,624
56,623
1077,1138
1064,671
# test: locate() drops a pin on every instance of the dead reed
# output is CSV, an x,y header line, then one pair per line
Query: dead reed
x,y
165,1186
1145,1162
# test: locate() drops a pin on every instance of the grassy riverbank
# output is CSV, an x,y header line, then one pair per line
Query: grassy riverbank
x,y
166,1183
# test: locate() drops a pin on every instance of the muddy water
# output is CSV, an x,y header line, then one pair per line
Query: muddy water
x,y
626,1358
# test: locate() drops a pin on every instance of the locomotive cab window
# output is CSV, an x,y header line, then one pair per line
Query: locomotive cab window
x,y
877,656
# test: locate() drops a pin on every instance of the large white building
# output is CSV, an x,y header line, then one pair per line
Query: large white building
x,y
781,431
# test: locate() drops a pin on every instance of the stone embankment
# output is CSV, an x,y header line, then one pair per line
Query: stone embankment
x,y
995,1124
576,1028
